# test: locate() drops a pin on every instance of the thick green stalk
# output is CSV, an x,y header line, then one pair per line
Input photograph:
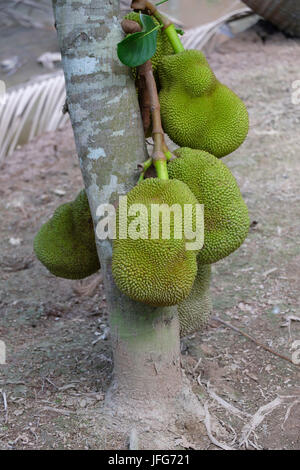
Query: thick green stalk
x,y
161,169
174,39
168,155
169,28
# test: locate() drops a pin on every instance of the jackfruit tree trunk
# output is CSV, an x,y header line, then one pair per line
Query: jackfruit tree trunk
x,y
109,138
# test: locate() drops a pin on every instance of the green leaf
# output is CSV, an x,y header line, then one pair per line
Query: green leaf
x,y
139,47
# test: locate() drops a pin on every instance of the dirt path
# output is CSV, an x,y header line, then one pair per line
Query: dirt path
x,y
58,356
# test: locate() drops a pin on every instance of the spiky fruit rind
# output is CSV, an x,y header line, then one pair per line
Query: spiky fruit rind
x,y
66,243
226,219
158,272
163,45
197,110
195,310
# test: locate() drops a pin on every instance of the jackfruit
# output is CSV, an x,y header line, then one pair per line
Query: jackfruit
x,y
195,310
226,220
157,269
197,110
66,243
163,45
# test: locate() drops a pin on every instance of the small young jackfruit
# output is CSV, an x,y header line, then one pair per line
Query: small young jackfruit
x,y
66,243
163,45
156,268
195,310
226,220
197,110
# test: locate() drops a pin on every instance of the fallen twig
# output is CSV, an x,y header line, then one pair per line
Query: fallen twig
x,y
257,419
232,409
270,271
261,345
288,411
197,365
288,323
133,443
58,410
4,404
207,422
230,428
51,383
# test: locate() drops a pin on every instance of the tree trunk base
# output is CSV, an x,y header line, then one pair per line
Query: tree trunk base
x,y
158,424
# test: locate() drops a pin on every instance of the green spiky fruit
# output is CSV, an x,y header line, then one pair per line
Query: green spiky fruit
x,y
163,45
195,310
197,110
226,220
156,271
66,243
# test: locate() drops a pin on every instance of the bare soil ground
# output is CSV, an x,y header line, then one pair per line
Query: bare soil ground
x,y
58,353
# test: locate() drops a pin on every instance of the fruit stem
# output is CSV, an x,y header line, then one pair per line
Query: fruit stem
x,y
174,39
161,169
158,156
149,102
145,166
141,177
168,154
169,28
